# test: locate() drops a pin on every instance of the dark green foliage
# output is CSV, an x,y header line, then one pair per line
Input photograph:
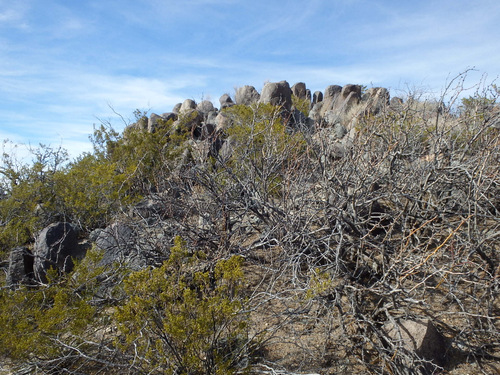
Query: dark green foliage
x,y
86,192
46,320
303,105
185,322
30,198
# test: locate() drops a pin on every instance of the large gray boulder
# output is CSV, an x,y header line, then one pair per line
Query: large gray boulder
x,y
317,97
349,96
132,246
315,113
339,101
329,98
20,269
211,117
205,107
225,101
121,245
375,100
187,105
222,121
177,108
299,90
207,111
153,122
277,93
167,116
247,95
55,247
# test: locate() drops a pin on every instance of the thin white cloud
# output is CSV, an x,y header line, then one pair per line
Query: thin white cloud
x,y
11,11
430,25
9,15
13,14
71,101
151,54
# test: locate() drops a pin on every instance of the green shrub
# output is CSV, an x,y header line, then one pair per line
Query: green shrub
x,y
87,192
43,324
185,322
263,147
303,105
91,190
29,199
146,158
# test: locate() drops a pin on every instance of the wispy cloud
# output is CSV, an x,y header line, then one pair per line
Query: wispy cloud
x,y
13,14
11,11
62,63
71,101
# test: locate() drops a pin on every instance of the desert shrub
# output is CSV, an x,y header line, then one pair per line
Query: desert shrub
x,y
303,105
29,200
87,191
262,147
91,190
59,326
181,319
403,225
478,115
146,158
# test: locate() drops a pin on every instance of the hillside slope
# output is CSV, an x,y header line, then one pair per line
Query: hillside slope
x,y
337,233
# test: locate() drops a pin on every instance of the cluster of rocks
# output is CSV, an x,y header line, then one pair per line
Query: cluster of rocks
x,y
332,113
58,245
336,104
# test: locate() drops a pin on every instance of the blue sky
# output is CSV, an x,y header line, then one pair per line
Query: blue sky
x,y
64,63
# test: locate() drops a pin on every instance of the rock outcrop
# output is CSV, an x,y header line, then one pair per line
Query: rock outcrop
x,y
300,90
277,93
225,101
329,97
124,245
375,100
55,247
205,107
247,95
153,122
187,105
20,270
338,108
317,97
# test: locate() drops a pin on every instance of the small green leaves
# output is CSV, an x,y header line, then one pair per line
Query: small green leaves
x,y
180,319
